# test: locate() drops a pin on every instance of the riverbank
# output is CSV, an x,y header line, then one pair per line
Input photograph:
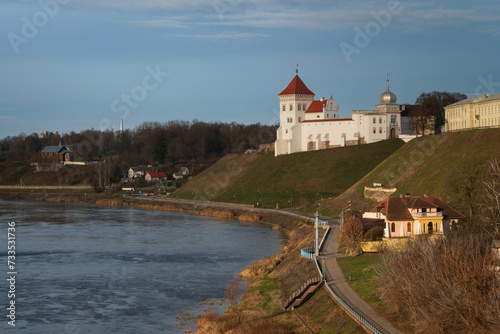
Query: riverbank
x,y
272,280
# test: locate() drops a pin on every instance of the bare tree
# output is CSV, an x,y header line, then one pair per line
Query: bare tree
x,y
351,235
445,285
491,192
234,292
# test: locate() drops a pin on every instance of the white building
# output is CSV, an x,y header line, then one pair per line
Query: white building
x,y
307,124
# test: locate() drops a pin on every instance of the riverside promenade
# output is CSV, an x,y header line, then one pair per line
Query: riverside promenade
x,y
334,277
337,282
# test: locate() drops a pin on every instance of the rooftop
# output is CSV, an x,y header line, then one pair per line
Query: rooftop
x,y
296,87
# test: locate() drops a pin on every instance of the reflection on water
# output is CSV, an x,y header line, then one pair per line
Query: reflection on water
x,y
88,269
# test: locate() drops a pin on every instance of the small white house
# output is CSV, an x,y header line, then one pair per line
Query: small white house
x,y
135,172
178,176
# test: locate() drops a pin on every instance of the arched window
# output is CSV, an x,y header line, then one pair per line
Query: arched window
x,y
393,228
408,227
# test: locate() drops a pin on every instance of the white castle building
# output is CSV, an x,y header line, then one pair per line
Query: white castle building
x,y
307,124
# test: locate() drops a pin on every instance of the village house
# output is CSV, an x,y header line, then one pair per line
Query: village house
x,y
184,171
156,177
178,175
136,172
56,154
409,215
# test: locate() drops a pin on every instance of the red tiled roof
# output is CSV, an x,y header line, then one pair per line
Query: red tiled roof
x,y
297,87
396,208
159,174
328,120
316,106
448,211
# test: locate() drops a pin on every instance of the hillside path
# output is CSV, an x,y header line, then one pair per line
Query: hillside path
x,y
338,283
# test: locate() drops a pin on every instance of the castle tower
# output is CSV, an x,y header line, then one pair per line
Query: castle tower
x,y
294,102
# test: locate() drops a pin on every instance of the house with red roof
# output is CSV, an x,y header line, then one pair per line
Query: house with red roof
x,y
155,177
412,215
307,124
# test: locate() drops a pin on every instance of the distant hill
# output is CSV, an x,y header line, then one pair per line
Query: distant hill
x,y
431,164
299,179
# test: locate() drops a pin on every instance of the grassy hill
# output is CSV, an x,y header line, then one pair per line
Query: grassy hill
x,y
298,179
433,164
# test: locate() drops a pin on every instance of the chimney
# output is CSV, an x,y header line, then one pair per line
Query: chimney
x,y
407,195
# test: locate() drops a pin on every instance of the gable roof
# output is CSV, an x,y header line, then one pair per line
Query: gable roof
x,y
396,208
328,120
157,174
316,106
296,87
448,211
54,149
138,169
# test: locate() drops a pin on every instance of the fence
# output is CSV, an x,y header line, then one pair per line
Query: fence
x,y
362,320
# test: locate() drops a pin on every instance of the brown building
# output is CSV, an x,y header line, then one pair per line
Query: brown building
x,y
51,154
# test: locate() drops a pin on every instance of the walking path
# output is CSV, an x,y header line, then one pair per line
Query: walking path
x,y
334,276
337,282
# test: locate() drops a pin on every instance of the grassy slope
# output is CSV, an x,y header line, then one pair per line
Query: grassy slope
x,y
424,165
300,177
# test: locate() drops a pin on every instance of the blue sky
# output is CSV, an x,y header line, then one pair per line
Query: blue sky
x,y
68,65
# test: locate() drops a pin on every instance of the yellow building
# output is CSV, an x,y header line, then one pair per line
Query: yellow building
x,y
473,113
408,216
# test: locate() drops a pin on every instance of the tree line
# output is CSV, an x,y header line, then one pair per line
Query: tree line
x,y
428,111
150,143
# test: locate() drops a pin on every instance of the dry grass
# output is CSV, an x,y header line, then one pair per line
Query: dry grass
x,y
446,285
219,213
249,217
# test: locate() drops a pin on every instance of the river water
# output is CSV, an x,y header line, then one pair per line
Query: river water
x,y
81,268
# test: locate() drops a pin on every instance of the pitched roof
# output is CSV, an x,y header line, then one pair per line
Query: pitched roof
x,y
158,174
448,211
328,120
396,208
316,106
484,98
296,87
53,149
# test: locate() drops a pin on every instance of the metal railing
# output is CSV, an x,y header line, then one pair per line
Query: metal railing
x,y
353,313
307,252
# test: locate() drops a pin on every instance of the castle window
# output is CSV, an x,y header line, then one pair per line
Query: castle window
x,y
305,107
374,120
374,130
380,120
284,108
380,130
289,120
300,107
291,107
300,119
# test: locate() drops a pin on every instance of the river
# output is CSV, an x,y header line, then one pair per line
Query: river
x,y
81,268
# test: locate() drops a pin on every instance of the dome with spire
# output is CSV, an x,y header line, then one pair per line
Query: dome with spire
x,y
387,97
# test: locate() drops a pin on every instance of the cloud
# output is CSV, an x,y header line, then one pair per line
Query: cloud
x,y
228,35
179,22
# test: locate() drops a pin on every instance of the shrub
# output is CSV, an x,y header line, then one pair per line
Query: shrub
x,y
374,234
445,285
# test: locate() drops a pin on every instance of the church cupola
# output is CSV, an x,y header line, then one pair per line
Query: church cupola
x,y
387,97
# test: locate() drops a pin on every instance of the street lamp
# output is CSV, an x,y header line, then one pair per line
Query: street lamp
x,y
344,208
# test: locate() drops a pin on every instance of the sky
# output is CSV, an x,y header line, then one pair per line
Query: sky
x,y
69,65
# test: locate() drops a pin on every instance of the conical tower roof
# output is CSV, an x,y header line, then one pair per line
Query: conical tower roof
x,y
296,87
